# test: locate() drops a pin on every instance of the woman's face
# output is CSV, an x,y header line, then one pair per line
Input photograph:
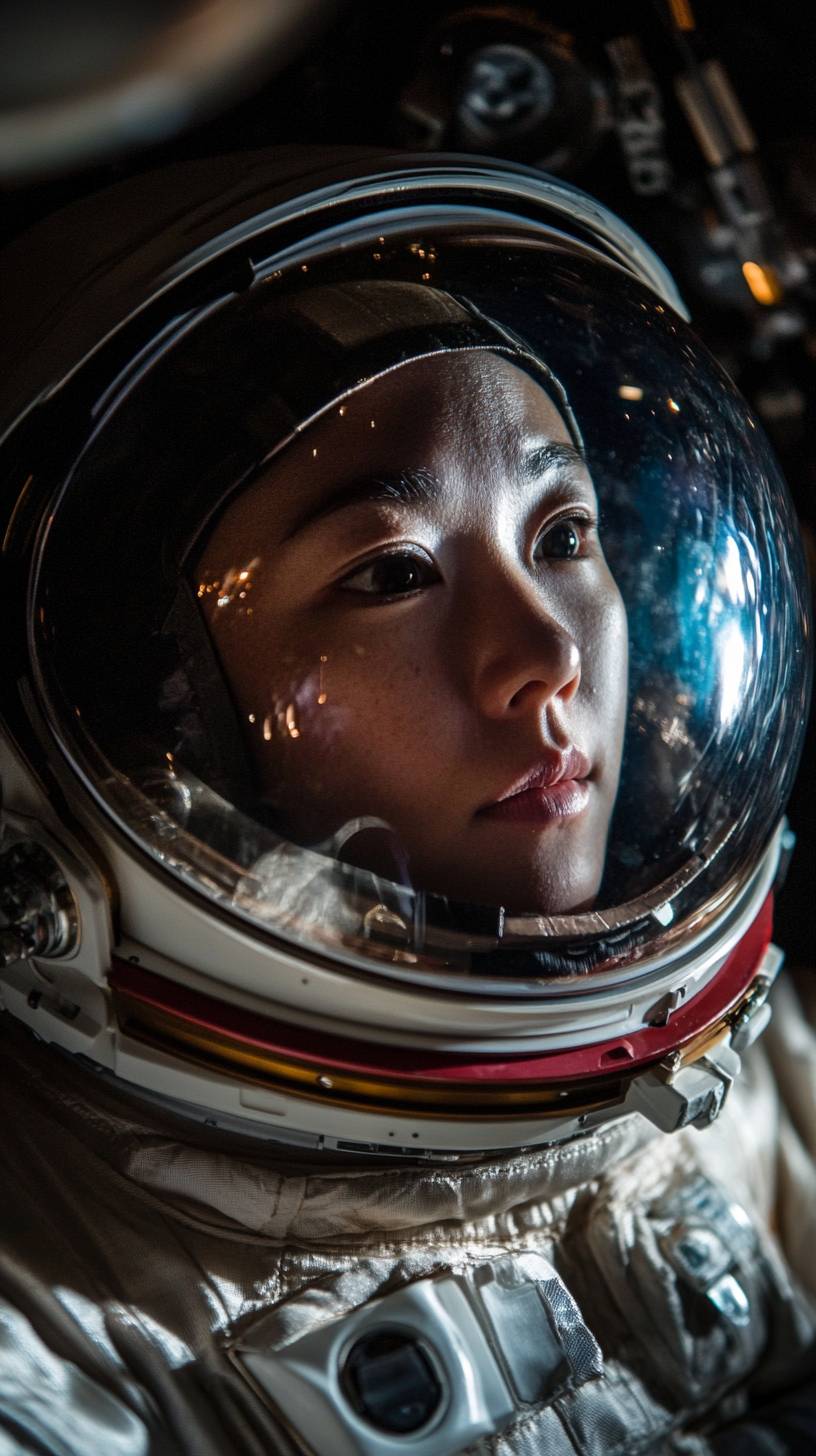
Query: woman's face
x,y
417,623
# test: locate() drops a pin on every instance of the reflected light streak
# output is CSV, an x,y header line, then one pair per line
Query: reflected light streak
x,y
731,579
731,652
227,587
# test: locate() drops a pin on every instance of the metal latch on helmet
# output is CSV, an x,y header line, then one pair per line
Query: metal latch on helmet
x,y
673,1096
38,914
751,1018
679,1093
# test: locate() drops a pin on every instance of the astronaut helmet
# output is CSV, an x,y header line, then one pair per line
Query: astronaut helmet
x,y
410,659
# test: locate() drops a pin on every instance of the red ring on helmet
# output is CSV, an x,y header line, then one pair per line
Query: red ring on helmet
x,y
323,1051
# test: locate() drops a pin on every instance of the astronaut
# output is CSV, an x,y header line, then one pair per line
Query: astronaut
x,y
407,671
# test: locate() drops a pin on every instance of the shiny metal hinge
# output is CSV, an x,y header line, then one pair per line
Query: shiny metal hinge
x,y
38,913
672,1096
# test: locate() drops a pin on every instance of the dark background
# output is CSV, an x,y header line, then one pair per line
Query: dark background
x,y
590,92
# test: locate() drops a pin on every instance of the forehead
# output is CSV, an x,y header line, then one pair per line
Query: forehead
x,y
424,413
431,401
466,417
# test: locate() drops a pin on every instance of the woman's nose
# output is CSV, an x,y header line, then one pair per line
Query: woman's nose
x,y
526,659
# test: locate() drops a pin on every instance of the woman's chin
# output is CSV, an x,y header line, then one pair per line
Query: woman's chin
x,y
545,880
530,890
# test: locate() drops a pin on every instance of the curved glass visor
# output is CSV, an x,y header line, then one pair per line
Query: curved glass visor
x,y
442,605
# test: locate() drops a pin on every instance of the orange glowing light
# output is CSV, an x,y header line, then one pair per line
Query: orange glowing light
x,y
682,14
763,283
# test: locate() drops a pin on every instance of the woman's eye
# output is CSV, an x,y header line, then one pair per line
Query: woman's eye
x,y
563,541
396,574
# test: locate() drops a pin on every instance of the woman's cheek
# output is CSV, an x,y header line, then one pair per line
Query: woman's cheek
x,y
605,645
300,713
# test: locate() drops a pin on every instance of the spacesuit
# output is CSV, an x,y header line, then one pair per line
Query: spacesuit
x,y
408,671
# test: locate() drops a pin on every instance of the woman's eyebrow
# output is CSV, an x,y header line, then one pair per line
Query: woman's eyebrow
x,y
544,459
405,487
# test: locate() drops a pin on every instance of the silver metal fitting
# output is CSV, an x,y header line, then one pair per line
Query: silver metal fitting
x,y
38,913
672,1097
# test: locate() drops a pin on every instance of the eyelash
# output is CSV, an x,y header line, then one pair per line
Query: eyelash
x,y
583,523
413,558
421,564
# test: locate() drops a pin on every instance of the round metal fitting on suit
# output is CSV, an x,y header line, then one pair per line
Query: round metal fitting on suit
x,y
390,1381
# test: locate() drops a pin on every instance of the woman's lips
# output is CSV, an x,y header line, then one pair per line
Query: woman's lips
x,y
556,788
538,806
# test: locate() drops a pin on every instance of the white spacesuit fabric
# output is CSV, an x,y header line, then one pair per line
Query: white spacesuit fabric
x,y
141,1261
